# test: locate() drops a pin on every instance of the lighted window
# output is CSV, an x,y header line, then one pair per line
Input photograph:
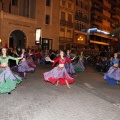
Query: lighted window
x,y
38,35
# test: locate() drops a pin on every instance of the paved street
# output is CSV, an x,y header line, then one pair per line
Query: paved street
x,y
90,98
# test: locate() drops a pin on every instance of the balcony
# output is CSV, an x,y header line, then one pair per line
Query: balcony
x,y
97,8
81,18
96,20
66,23
99,2
65,39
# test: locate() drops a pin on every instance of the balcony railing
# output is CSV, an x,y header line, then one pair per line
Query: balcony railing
x,y
66,23
81,18
65,39
96,20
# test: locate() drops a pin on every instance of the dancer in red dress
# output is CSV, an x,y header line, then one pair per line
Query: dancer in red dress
x,y
59,74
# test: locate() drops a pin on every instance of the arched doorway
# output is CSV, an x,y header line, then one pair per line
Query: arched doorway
x,y
17,39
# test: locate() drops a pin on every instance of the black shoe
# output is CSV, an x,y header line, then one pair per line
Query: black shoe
x,y
9,93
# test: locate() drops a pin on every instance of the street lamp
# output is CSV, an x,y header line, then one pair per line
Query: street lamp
x,y
0,43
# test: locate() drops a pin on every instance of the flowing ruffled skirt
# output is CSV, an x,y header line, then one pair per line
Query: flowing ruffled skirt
x,y
58,74
30,62
112,76
79,66
23,67
70,69
8,80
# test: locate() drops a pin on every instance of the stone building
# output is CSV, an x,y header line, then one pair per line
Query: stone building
x,y
66,24
57,24
82,22
19,20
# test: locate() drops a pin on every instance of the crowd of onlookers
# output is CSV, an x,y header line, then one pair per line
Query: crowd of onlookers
x,y
102,61
99,59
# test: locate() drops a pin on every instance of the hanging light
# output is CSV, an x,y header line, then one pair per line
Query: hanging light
x,y
80,38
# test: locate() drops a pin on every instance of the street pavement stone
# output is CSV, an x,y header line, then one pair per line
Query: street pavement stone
x,y
35,99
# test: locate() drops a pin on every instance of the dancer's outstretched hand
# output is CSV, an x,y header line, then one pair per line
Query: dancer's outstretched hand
x,y
47,59
73,58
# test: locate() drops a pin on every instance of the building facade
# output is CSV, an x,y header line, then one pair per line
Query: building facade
x,y
47,16
104,15
82,22
19,20
66,24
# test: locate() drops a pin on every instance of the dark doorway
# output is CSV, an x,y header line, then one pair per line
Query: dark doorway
x,y
46,44
17,39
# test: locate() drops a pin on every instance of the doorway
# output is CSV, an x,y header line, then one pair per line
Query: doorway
x,y
17,39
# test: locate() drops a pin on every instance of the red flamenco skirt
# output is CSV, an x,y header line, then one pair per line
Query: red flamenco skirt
x,y
58,74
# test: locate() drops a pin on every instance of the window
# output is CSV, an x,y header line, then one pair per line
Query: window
x,y
63,2
15,2
47,19
62,29
76,2
86,6
69,5
77,13
62,15
81,4
85,16
69,33
81,13
80,26
62,32
69,17
45,41
77,26
48,2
